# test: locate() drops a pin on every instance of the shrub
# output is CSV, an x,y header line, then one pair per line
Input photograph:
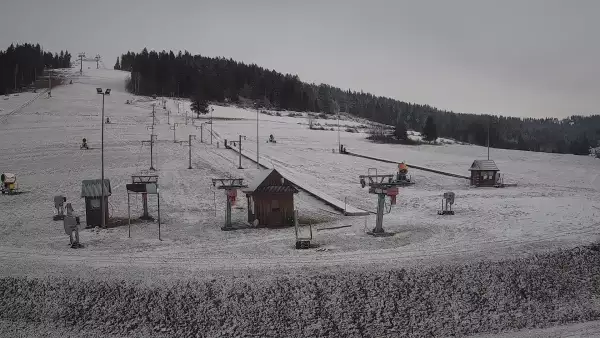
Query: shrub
x,y
454,300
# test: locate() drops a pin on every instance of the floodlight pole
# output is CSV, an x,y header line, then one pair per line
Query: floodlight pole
x,y
488,138
338,121
211,125
102,204
102,155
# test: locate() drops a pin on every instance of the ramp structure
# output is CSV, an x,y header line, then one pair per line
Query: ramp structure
x,y
435,171
333,202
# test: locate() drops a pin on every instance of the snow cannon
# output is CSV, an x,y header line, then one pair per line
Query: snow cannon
x,y
9,183
403,168
402,175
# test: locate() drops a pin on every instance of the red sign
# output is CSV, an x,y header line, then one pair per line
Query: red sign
x,y
392,191
231,196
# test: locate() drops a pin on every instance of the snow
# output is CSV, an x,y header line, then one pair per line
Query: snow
x,y
579,330
10,104
552,206
417,136
290,175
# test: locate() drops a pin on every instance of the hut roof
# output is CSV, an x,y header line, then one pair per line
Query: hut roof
x,y
93,188
258,180
484,165
261,183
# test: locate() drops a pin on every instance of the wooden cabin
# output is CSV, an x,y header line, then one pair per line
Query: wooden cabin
x,y
91,190
271,200
484,173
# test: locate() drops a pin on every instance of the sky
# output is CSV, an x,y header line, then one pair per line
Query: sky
x,y
528,58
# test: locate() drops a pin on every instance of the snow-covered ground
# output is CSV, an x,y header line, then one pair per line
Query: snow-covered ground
x,y
12,102
552,206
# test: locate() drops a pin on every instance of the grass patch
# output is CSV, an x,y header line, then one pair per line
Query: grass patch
x,y
540,290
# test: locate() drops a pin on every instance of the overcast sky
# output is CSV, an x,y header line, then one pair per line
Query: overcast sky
x,y
513,57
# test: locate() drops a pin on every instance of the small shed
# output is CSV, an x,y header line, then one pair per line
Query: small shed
x,y
271,200
91,190
484,173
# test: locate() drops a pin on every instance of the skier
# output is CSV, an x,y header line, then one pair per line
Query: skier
x,y
84,145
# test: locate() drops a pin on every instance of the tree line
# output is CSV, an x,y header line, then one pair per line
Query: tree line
x,y
21,64
225,80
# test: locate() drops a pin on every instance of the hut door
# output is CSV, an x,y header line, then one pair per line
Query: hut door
x,y
275,213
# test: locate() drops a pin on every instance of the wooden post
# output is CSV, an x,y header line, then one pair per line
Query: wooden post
x,y
128,215
158,206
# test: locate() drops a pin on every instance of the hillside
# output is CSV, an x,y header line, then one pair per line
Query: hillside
x,y
550,202
509,259
226,80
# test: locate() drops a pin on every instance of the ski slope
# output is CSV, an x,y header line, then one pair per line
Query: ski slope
x,y
552,206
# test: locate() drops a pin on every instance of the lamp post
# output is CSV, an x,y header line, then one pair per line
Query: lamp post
x,y
211,125
102,206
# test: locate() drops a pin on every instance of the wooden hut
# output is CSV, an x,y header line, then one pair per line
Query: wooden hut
x,y
91,190
484,173
271,200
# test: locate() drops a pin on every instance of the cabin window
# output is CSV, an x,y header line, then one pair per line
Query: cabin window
x,y
274,205
95,203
